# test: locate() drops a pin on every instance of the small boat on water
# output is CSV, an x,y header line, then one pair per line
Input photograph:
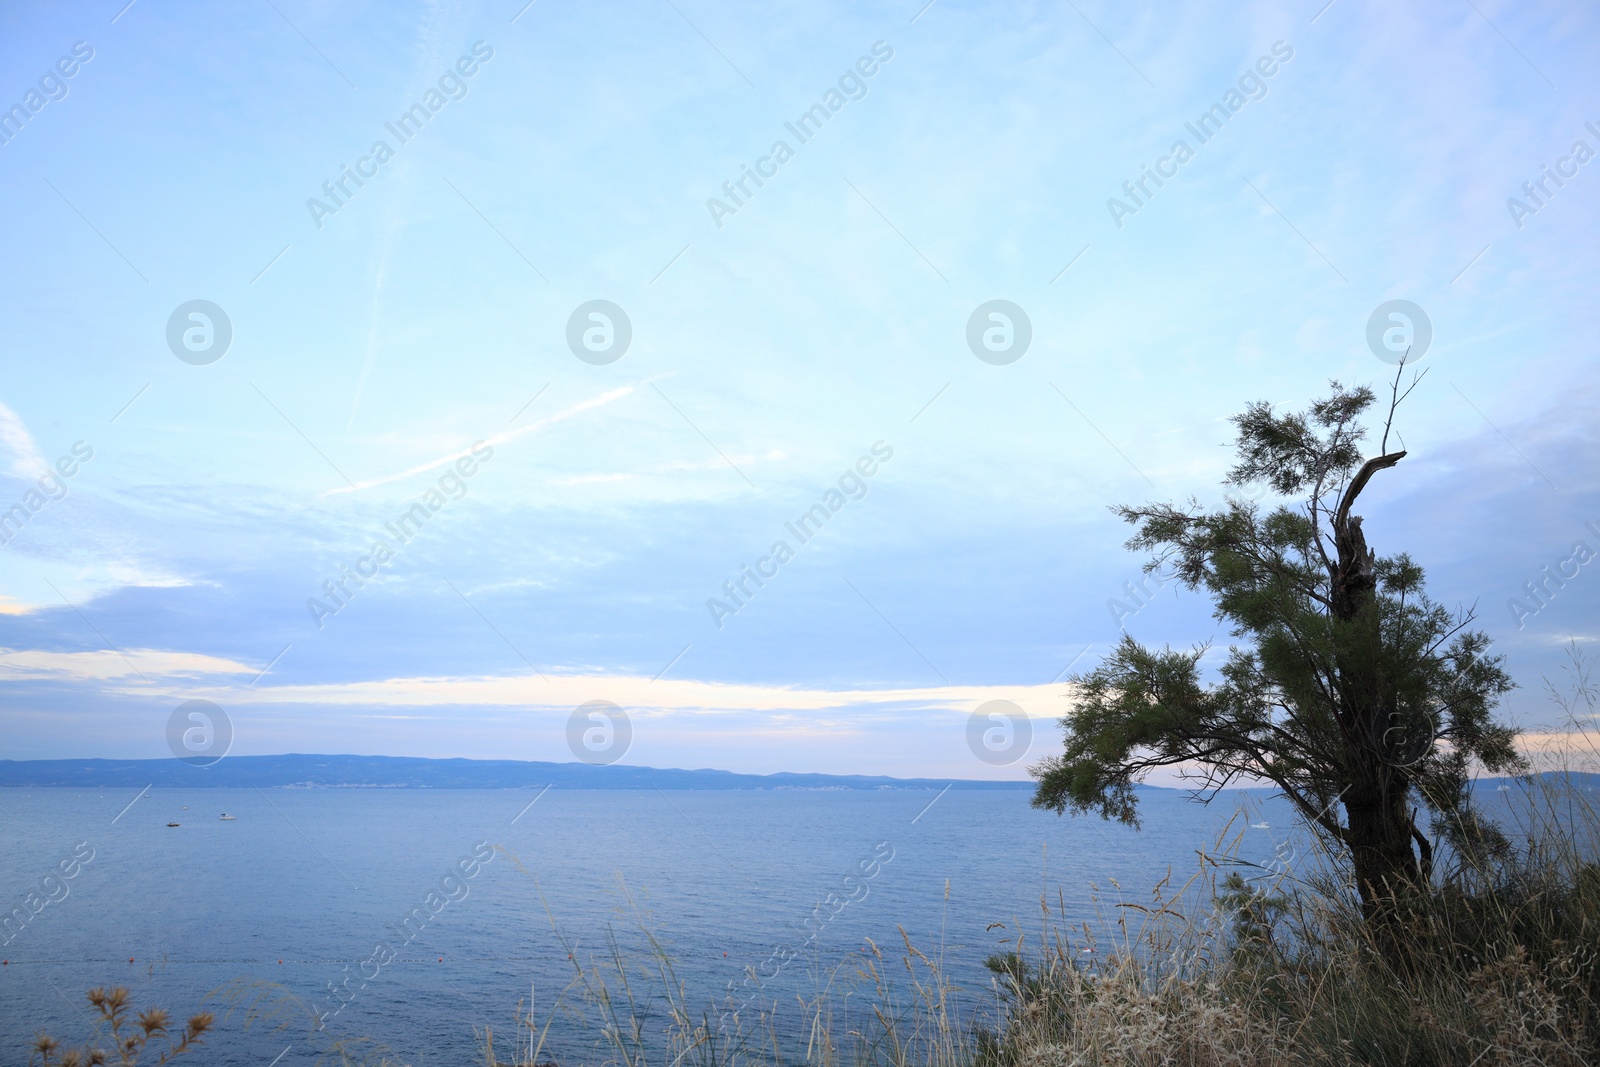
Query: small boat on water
x,y
172,824
1261,826
226,817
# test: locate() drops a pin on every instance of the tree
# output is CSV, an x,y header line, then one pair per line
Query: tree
x,y
1361,700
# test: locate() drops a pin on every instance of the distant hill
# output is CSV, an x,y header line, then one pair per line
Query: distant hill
x,y
407,772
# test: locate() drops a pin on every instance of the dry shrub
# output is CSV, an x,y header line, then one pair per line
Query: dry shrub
x,y
1121,1016
126,1048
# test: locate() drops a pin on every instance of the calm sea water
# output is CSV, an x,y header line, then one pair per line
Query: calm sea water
x,y
310,887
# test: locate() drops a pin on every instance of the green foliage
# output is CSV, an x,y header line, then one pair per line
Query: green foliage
x,y
1256,915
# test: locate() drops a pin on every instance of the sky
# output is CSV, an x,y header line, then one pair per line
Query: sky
x,y
254,374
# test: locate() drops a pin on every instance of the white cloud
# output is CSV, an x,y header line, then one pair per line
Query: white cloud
x,y
497,439
26,460
639,694
108,664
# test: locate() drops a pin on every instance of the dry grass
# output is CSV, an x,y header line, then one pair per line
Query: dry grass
x,y
125,1048
640,1012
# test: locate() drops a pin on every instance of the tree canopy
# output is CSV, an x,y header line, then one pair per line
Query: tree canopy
x,y
1364,702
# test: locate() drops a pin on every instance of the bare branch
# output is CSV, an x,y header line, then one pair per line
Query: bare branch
x,y
1396,398
1372,466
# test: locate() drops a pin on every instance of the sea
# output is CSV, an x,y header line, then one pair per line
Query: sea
x,y
410,923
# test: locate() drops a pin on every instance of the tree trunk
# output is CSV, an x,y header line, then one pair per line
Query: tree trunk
x,y
1380,836
1377,809
1388,877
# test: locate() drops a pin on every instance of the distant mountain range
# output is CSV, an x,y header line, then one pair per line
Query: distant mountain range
x,y
407,772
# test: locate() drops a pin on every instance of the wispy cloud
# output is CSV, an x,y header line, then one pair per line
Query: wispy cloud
x,y
639,693
497,439
715,463
110,665
26,460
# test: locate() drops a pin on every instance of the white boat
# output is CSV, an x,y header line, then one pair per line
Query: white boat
x,y
226,817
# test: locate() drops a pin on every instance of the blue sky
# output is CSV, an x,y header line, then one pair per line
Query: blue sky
x,y
772,349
